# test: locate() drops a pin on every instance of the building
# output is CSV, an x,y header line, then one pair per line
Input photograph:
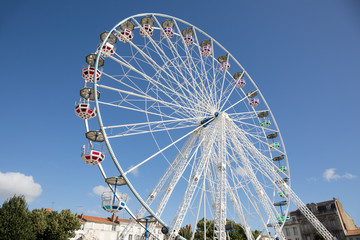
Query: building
x,y
97,228
331,214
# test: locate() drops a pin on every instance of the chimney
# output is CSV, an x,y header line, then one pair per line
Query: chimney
x,y
113,217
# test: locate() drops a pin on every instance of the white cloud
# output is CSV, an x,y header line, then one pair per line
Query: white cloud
x,y
312,179
330,174
17,183
240,171
349,176
98,190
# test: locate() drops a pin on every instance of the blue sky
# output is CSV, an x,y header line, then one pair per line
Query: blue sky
x,y
307,54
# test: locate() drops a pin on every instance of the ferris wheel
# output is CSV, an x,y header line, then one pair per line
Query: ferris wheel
x,y
186,129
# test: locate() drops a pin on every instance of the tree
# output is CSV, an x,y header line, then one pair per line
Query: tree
x,y
38,218
199,234
15,220
238,232
186,232
18,223
61,226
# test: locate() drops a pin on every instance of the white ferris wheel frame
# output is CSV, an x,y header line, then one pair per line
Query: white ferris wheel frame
x,y
282,186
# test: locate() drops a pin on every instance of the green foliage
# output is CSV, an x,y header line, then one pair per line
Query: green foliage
x,y
15,220
39,221
201,225
237,234
186,232
18,223
54,225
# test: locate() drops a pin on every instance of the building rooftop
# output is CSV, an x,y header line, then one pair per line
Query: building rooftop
x,y
110,220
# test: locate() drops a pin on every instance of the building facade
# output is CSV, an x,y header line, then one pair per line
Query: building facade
x,y
96,228
331,214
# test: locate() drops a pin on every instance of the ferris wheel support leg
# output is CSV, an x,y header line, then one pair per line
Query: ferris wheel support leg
x,y
191,187
238,207
179,168
220,199
181,162
179,159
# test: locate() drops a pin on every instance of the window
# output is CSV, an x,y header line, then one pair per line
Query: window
x,y
308,237
113,228
130,237
82,226
295,231
287,231
306,227
297,239
332,223
322,208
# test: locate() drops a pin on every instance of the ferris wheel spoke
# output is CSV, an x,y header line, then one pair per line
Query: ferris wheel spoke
x,y
161,54
130,133
155,83
245,115
156,66
204,72
262,162
145,96
161,150
190,58
258,164
152,123
137,110
175,52
234,199
307,213
233,87
222,86
254,126
261,193
178,173
252,199
241,100
237,184
138,90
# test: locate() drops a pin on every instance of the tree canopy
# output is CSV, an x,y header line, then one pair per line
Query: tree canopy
x,y
17,222
237,232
